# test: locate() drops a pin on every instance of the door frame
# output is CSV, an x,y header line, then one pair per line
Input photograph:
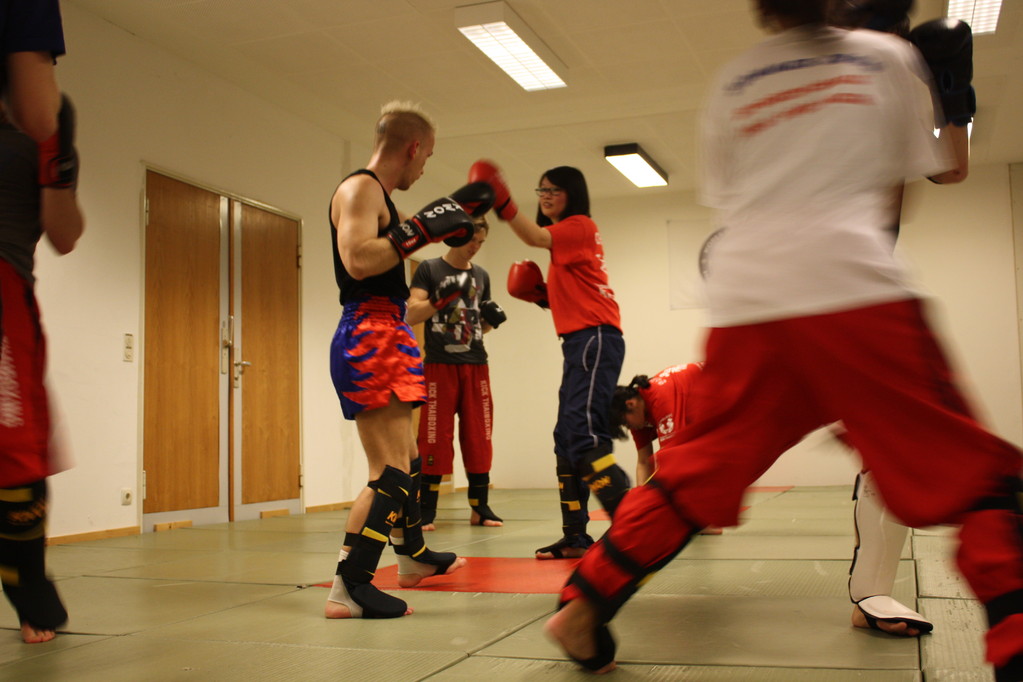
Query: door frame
x,y
238,509
224,510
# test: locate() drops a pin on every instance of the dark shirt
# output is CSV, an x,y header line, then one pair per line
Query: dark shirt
x,y
20,229
454,335
391,283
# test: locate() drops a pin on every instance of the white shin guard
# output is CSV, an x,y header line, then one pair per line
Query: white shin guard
x,y
879,541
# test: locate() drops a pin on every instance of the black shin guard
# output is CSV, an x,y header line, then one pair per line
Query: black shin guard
x,y
391,495
574,516
429,492
479,496
23,557
413,544
606,479
413,506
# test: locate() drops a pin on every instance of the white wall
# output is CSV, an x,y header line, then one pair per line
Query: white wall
x,y
139,105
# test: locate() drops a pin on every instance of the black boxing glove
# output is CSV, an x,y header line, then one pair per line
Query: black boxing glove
x,y
439,220
947,47
492,313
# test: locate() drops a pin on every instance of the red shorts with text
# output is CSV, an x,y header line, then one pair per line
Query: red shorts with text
x,y
24,411
463,390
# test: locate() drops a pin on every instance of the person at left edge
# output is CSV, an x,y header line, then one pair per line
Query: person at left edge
x,y
38,174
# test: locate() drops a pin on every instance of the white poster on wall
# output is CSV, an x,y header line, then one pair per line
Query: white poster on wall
x,y
687,242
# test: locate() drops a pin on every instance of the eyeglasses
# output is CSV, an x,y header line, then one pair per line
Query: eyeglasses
x,y
549,191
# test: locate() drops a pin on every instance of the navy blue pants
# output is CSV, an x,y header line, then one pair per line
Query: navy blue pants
x,y
592,363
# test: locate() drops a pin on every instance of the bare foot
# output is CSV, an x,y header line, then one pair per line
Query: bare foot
x,y
428,526
711,530
33,635
423,571
573,629
477,520
565,552
897,629
335,609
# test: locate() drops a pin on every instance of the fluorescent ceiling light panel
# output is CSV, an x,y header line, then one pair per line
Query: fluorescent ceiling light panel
x,y
501,35
981,15
635,164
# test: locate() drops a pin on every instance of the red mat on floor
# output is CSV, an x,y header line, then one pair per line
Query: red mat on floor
x,y
489,574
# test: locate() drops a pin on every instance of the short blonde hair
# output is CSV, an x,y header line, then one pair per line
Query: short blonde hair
x,y
401,123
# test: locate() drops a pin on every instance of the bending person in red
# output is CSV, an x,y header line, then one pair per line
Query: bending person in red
x,y
812,322
659,409
586,318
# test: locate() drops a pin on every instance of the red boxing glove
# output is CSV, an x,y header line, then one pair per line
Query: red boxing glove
x,y
525,282
488,172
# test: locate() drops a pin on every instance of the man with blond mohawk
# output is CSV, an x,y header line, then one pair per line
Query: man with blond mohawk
x,y
374,359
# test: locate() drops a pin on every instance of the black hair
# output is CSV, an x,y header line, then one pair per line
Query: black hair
x,y
572,181
802,11
889,16
616,415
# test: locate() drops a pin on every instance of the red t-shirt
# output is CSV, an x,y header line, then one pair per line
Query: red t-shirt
x,y
666,405
577,285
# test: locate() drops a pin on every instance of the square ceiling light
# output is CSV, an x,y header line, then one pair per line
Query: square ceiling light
x,y
981,15
635,164
506,39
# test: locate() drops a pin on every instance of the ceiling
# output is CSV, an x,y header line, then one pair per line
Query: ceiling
x,y
638,70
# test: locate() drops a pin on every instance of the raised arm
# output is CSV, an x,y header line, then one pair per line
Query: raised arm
x,y
506,208
33,97
958,137
529,232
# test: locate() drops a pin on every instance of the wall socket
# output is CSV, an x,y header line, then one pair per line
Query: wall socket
x,y
126,496
129,351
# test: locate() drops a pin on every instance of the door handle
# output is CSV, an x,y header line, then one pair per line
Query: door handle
x,y
239,369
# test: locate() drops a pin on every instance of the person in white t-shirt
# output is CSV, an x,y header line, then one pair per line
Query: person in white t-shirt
x,y
805,139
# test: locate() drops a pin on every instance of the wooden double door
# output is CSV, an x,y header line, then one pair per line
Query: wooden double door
x,y
221,398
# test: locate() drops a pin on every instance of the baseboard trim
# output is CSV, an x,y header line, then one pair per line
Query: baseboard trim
x,y
334,506
94,535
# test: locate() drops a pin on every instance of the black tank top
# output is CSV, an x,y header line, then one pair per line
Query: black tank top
x,y
391,283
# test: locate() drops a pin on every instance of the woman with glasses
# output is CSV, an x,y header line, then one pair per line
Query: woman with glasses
x,y
587,319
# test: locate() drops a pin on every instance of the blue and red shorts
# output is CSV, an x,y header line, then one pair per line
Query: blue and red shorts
x,y
375,354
